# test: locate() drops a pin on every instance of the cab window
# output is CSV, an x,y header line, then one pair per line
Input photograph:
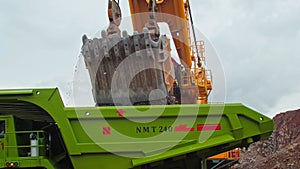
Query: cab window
x,y
2,129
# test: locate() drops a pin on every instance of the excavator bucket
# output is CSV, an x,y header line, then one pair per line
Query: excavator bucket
x,y
126,70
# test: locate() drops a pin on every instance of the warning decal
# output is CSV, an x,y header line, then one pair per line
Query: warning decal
x,y
206,127
106,131
183,128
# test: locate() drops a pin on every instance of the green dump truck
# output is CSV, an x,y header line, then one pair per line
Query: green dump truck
x,y
38,131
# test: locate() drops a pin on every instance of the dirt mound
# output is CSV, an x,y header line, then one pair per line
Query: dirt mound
x,y
281,150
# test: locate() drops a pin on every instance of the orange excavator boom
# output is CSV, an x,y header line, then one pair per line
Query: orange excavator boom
x,y
179,25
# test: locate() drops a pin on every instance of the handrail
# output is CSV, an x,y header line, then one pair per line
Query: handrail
x,y
27,144
24,132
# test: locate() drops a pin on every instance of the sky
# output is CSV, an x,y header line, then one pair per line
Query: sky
x,y
257,43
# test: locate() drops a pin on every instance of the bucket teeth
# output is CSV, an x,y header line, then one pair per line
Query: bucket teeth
x,y
136,44
125,34
105,47
103,34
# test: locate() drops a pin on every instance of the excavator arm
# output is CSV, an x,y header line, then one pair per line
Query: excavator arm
x,y
165,12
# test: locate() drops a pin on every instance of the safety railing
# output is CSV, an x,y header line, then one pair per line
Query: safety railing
x,y
27,144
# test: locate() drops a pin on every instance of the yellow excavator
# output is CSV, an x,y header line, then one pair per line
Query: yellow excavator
x,y
187,82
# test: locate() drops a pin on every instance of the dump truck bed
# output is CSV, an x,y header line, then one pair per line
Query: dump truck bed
x,y
148,136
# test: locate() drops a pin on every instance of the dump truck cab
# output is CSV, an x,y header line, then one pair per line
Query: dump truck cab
x,y
21,146
8,141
